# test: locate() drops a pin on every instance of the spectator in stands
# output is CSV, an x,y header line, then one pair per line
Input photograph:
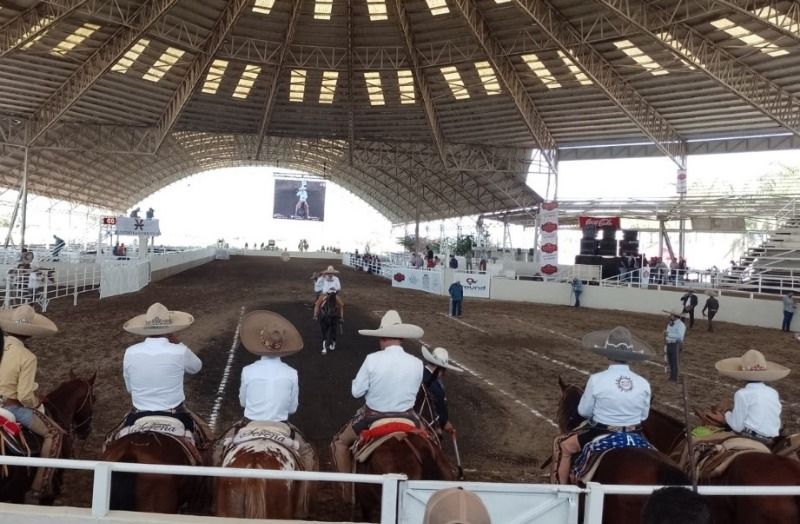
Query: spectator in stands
x,y
482,265
682,268
675,505
428,255
712,306
150,214
58,245
468,260
455,506
689,301
577,289
673,336
456,291
673,271
437,261
789,306
453,262
246,245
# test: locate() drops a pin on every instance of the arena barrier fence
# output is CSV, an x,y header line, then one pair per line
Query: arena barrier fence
x,y
402,501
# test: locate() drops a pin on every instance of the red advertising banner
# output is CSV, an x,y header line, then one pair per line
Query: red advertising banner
x,y
600,222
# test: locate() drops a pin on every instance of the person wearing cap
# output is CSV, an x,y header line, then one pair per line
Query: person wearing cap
x,y
154,368
577,289
756,409
674,334
711,306
456,291
789,305
437,363
389,381
689,301
18,388
455,506
615,400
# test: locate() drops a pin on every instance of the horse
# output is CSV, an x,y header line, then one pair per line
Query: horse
x,y
636,466
329,316
747,469
70,406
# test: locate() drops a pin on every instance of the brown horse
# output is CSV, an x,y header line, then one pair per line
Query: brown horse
x,y
748,469
621,466
70,405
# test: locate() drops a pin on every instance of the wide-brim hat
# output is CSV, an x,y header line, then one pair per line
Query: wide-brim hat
x,y
753,367
617,344
158,321
675,312
439,357
24,321
710,293
392,327
268,334
330,271
455,505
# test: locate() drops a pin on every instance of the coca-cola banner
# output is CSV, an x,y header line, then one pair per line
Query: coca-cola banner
x,y
548,225
599,222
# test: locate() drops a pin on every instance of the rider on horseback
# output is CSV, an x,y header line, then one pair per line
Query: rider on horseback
x,y
18,388
329,280
436,365
616,400
389,380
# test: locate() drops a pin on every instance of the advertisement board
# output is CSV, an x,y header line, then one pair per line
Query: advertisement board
x,y
299,199
419,279
599,222
137,226
474,284
548,223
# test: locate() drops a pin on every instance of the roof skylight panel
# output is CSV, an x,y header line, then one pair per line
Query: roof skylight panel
x,y
541,72
297,85
438,7
38,27
580,76
246,81
263,6
322,9
377,10
455,82
777,18
214,76
488,78
164,63
745,35
640,57
405,83
374,88
328,88
131,56
75,39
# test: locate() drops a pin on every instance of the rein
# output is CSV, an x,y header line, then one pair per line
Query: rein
x,y
74,428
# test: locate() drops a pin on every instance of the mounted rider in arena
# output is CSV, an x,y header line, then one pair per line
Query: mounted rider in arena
x,y
436,366
18,389
616,400
328,282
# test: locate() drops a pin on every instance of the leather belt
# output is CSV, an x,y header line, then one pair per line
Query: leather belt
x,y
755,434
618,429
11,402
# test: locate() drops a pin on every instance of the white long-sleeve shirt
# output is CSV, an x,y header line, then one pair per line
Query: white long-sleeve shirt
x,y
756,407
390,379
153,372
269,390
327,285
676,330
616,397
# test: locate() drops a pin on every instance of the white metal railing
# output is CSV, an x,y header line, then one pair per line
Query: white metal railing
x,y
40,286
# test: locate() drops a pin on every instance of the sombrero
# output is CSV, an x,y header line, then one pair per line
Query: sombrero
x,y
392,327
158,321
26,322
675,312
617,344
330,270
268,334
439,357
455,505
753,367
710,293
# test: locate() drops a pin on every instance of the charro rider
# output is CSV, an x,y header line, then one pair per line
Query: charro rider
x,y
327,283
269,387
437,363
388,379
18,388
615,400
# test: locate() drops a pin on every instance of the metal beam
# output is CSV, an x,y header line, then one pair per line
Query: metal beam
x,y
197,68
350,81
31,23
682,40
507,74
785,19
98,63
569,39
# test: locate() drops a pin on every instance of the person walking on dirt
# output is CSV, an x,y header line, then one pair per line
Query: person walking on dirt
x,y
456,291
689,303
673,335
577,289
789,306
712,306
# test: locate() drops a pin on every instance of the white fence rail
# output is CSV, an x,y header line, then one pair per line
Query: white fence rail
x,y
27,286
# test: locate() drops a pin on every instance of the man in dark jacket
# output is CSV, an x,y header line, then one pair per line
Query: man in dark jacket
x,y
453,262
436,365
689,301
456,291
712,306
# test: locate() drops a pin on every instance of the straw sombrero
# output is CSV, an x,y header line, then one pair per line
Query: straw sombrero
x,y
268,334
439,357
330,271
710,293
455,505
158,321
617,344
752,367
26,322
675,312
392,327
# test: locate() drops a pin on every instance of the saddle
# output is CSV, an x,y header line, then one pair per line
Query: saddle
x,y
264,436
379,432
788,446
15,440
713,453
167,426
588,460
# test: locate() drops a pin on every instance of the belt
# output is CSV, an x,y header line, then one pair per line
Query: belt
x,y
755,434
11,402
618,429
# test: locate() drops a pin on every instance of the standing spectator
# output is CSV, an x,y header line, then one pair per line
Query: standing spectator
x,y
468,260
712,306
682,268
245,246
676,505
456,291
673,335
58,245
673,271
789,306
482,265
436,261
429,255
689,303
453,262
577,289
663,271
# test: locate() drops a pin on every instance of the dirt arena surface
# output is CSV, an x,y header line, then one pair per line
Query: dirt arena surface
x,y
503,407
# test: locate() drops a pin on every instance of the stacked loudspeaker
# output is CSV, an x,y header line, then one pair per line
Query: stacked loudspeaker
x,y
629,245
603,252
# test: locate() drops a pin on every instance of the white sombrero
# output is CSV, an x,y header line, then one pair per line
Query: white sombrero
x,y
265,333
710,293
392,327
675,312
617,344
330,271
753,367
26,322
439,357
158,321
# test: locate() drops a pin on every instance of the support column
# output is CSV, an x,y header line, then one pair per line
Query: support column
x,y
24,200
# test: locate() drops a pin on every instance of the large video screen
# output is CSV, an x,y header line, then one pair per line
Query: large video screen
x,y
299,199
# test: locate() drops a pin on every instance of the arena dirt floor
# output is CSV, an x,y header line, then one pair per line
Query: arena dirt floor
x,y
503,406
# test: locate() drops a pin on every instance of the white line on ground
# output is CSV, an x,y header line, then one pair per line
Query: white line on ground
x,y
465,323
212,418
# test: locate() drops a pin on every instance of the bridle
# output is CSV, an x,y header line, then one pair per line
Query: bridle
x,y
87,400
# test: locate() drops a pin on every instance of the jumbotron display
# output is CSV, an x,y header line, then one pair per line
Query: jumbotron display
x,y
299,199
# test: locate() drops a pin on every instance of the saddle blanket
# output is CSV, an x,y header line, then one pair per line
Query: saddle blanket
x,y
714,453
274,431
158,424
8,423
385,426
592,452
286,456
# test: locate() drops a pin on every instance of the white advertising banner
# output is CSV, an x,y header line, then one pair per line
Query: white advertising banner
x,y
548,224
137,226
681,184
474,284
419,279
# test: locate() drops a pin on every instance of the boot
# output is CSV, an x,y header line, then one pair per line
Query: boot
x,y
324,347
343,458
53,436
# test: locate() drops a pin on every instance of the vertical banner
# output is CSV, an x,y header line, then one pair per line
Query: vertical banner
x,y
548,220
680,185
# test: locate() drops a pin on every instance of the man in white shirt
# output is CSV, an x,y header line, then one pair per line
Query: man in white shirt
x,y
329,281
615,400
388,380
673,336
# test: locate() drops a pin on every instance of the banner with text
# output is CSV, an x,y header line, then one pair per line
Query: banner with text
x,y
419,279
599,222
474,284
137,226
548,220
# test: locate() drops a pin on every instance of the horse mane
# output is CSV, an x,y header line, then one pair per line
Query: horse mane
x,y
568,416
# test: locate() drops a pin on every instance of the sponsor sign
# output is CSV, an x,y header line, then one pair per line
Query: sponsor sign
x,y
599,222
548,218
419,279
138,226
108,221
680,185
549,227
549,248
474,284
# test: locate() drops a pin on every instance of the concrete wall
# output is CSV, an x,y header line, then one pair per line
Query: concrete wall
x,y
169,264
327,255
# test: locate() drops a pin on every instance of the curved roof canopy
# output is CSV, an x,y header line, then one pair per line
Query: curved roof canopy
x,y
424,108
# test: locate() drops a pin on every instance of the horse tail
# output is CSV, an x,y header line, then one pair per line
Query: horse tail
x,y
670,475
250,498
123,485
